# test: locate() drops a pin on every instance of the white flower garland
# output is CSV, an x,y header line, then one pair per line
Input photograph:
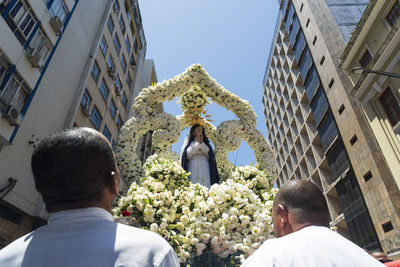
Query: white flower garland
x,y
226,137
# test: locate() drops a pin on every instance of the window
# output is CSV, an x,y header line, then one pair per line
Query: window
x,y
40,43
116,6
86,99
289,16
294,31
113,110
123,63
95,118
135,15
132,61
4,67
103,46
355,212
58,9
106,132
124,100
110,62
95,71
394,13
128,14
136,46
119,122
21,20
110,24
122,23
299,46
327,131
117,44
15,93
117,82
312,83
391,106
128,79
128,44
365,59
319,105
104,90
305,63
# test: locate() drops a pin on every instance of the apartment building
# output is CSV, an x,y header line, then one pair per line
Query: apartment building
x,y
318,132
63,63
371,58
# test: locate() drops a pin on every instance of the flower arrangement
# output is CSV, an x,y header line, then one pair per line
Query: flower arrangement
x,y
231,218
196,88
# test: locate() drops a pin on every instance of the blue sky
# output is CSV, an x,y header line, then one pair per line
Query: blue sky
x,y
230,39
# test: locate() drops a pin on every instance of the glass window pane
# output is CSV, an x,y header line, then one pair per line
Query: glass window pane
x,y
305,63
319,105
312,83
294,31
299,46
104,90
391,106
95,118
327,130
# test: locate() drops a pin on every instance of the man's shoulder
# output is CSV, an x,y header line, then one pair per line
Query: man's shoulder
x,y
134,234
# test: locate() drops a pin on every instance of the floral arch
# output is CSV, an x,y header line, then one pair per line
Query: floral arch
x,y
195,87
214,226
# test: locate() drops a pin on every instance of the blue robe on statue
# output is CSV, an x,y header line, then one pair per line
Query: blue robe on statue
x,y
212,166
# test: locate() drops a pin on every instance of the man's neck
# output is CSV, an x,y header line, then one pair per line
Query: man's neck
x,y
73,206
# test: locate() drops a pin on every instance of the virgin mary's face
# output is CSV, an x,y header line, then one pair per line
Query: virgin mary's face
x,y
198,130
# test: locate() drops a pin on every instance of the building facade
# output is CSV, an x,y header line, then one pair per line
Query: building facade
x,y
375,46
63,63
318,132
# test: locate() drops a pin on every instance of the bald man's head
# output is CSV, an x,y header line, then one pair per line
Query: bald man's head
x,y
72,166
304,201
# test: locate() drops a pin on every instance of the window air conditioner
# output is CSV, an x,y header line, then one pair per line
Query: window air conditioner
x,y
12,115
34,57
86,109
57,24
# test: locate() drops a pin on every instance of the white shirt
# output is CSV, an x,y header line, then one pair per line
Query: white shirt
x,y
312,246
88,237
197,156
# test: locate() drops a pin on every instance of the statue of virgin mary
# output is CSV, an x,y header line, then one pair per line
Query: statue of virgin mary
x,y
197,157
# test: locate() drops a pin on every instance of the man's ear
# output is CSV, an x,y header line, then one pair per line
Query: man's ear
x,y
114,184
283,214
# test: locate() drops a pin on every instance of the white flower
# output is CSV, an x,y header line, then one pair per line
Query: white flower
x,y
154,227
199,248
205,237
184,219
185,210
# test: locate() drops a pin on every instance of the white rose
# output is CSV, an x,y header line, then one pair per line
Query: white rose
x,y
154,227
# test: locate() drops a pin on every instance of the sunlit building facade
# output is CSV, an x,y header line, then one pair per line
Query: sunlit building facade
x,y
318,132
63,63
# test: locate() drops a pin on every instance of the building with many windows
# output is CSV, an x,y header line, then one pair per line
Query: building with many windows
x,y
63,63
373,49
318,132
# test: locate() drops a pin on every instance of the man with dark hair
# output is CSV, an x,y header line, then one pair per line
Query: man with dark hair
x,y
76,173
301,223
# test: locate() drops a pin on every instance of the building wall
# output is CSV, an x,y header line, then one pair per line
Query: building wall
x,y
382,40
55,90
302,121
346,13
116,94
